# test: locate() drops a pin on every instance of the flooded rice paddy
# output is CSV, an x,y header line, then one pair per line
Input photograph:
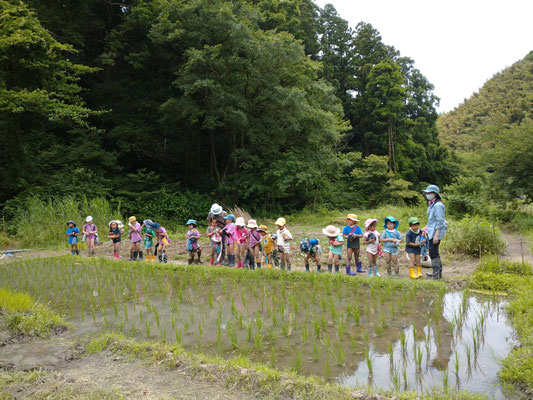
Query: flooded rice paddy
x,y
380,332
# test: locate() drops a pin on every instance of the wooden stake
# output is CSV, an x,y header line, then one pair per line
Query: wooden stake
x,y
521,249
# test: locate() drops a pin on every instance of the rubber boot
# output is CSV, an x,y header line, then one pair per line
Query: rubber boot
x,y
132,256
412,273
360,267
135,255
369,270
270,266
376,271
211,261
330,268
396,272
318,268
164,257
437,268
306,267
190,261
349,270
258,265
199,253
282,265
389,271
419,271
78,253
153,257
289,267
337,268
141,255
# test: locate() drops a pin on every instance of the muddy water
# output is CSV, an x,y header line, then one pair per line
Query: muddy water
x,y
383,335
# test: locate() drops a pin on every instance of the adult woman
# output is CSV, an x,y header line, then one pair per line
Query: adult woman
x,y
218,214
436,228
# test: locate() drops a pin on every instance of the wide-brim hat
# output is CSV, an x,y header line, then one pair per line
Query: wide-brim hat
x,y
240,221
331,231
155,225
393,220
251,223
148,223
262,228
413,221
112,222
71,222
230,216
432,189
369,222
216,209
132,218
281,221
352,217
88,219
191,222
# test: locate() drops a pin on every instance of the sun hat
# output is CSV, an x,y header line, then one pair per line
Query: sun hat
x,y
251,223
114,221
148,223
230,216
71,222
88,219
393,220
281,222
191,222
413,221
155,225
240,221
262,228
370,221
331,231
132,218
216,209
432,189
353,217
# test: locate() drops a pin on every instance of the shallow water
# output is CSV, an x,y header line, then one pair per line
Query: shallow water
x,y
345,332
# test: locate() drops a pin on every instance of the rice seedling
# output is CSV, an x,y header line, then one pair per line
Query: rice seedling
x,y
369,362
200,329
341,328
418,357
259,321
148,328
316,351
391,353
395,377
232,336
468,351
327,370
298,361
356,316
332,310
456,364
305,334
340,354
403,342
445,380
353,344
258,341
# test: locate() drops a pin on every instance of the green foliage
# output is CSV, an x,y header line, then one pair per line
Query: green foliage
x,y
471,234
43,223
498,266
24,317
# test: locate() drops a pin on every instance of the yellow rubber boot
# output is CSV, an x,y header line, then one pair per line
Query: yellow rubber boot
x,y
412,273
269,266
419,271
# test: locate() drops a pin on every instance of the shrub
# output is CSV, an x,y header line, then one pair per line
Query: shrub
x,y
498,266
471,234
42,223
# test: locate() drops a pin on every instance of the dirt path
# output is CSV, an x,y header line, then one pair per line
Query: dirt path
x,y
517,247
64,371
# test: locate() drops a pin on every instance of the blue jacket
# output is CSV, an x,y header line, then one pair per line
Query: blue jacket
x,y
436,220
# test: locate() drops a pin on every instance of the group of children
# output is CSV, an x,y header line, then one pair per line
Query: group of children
x,y
151,234
251,245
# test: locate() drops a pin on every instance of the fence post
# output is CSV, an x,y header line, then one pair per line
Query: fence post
x,y
521,249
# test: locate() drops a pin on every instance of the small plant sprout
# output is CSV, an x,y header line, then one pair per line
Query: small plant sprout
x,y
456,364
353,344
316,351
148,328
316,324
272,356
305,334
468,351
327,370
369,362
340,355
391,353
298,361
258,341
445,380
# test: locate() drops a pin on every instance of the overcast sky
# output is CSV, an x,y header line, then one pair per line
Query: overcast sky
x,y
457,44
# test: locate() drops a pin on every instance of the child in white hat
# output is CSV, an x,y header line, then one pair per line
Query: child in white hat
x,y
283,238
90,231
371,239
242,241
336,240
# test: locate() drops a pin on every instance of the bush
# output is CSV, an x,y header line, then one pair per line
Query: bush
x,y
471,234
43,223
498,266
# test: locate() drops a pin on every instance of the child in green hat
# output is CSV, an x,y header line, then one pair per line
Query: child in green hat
x,y
413,244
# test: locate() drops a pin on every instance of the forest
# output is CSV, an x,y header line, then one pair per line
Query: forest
x,y
272,105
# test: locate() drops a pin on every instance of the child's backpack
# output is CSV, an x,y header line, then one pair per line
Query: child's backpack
x,y
305,245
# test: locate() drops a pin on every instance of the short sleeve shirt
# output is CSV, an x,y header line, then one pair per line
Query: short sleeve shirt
x,y
390,246
115,232
356,230
337,250
136,236
372,247
73,238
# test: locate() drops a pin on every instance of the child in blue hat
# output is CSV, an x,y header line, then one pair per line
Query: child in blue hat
x,y
391,240
72,233
193,247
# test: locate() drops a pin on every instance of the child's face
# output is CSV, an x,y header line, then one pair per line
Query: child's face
x,y
390,225
227,221
213,223
280,227
351,222
114,225
415,227
71,225
372,226
262,233
190,226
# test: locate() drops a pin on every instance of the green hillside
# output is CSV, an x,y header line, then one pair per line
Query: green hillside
x,y
505,101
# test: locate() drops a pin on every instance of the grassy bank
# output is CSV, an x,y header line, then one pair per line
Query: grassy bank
x,y
516,280
23,316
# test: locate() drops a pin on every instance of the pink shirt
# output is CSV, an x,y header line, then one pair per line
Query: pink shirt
x,y
255,238
136,236
162,233
90,229
242,234
230,228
